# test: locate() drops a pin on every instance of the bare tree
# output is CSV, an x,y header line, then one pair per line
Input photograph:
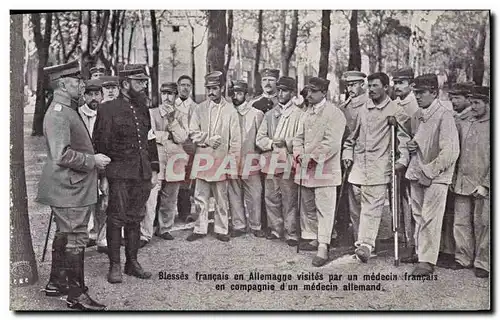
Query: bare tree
x,y
325,43
217,38
193,48
478,68
156,58
354,51
144,36
287,51
230,20
89,55
256,75
172,60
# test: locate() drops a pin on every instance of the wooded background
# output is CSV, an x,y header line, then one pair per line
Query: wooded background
x,y
301,43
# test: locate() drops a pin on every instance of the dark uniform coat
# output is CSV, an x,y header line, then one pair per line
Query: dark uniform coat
x,y
264,103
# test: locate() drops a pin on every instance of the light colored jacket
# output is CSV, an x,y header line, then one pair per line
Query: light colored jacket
x,y
170,138
278,124
69,176
351,110
410,107
473,165
369,145
187,107
250,120
436,135
208,120
320,138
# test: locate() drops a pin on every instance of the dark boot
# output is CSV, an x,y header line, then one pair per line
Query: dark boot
x,y
58,282
132,266
78,297
113,236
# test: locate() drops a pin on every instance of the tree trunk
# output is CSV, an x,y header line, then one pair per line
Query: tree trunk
x,y
478,69
256,75
193,64
122,28
217,39
132,29
85,59
42,47
77,39
379,53
283,38
144,36
23,268
230,20
290,49
325,43
354,50
156,58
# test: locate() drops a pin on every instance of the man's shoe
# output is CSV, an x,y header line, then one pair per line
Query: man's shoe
x,y
54,289
363,253
91,243
115,273
319,262
411,259
133,268
143,243
195,236
292,242
308,246
102,249
85,303
237,233
423,269
454,265
481,273
166,236
271,236
222,237
259,233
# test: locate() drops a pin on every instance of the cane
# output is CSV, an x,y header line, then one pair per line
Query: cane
x,y
297,216
47,236
394,194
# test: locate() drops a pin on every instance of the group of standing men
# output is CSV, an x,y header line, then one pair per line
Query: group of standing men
x,y
258,158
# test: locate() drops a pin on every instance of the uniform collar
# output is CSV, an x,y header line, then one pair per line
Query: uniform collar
x,y
163,110
269,96
426,114
243,108
484,118
371,105
62,99
464,114
316,108
409,98
359,100
86,110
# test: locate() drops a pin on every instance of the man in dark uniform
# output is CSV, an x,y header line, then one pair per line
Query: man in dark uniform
x,y
97,72
69,186
121,132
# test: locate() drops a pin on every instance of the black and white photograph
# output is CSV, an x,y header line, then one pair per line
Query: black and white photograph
x,y
250,160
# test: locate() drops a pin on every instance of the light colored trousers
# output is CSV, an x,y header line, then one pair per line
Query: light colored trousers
x,y
93,229
372,207
281,206
318,213
428,204
472,231
202,193
245,196
147,223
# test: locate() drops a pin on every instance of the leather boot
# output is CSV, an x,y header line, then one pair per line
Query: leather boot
x,y
113,236
78,297
58,283
132,244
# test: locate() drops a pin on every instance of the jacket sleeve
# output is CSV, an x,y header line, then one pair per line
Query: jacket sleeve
x,y
177,129
448,148
58,134
262,141
350,141
152,148
197,136
298,140
289,139
103,131
486,179
332,139
234,135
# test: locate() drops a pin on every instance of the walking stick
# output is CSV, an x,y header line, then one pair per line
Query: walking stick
x,y
394,194
297,219
47,236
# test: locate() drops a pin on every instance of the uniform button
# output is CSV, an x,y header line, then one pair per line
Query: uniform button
x,y
140,147
139,141
137,123
138,130
131,107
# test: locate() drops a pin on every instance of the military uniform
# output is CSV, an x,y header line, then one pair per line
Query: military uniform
x,y
121,132
68,184
266,102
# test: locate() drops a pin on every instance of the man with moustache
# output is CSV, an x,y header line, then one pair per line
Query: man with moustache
x,y
274,139
68,184
268,99
317,148
245,192
214,129
460,100
110,90
472,187
433,151
121,131
368,150
170,127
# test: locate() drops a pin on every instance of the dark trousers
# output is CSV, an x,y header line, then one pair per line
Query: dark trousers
x,y
127,199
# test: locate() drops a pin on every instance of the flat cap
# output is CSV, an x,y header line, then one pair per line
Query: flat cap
x,y
461,89
480,92
427,81
169,87
213,79
354,75
97,70
240,85
133,74
403,74
70,69
108,81
266,72
318,84
93,85
287,83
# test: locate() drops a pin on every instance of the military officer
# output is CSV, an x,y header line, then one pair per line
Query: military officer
x,y
121,132
368,150
214,128
317,147
110,90
274,139
96,72
433,152
268,99
69,186
472,186
245,192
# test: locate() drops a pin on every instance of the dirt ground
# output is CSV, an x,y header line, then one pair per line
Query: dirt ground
x,y
452,290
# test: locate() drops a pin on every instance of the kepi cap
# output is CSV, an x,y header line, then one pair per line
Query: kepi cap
x,y
480,92
287,83
354,75
97,70
213,79
461,89
427,81
70,69
108,81
170,87
133,74
318,84
266,72
240,85
403,74
93,85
